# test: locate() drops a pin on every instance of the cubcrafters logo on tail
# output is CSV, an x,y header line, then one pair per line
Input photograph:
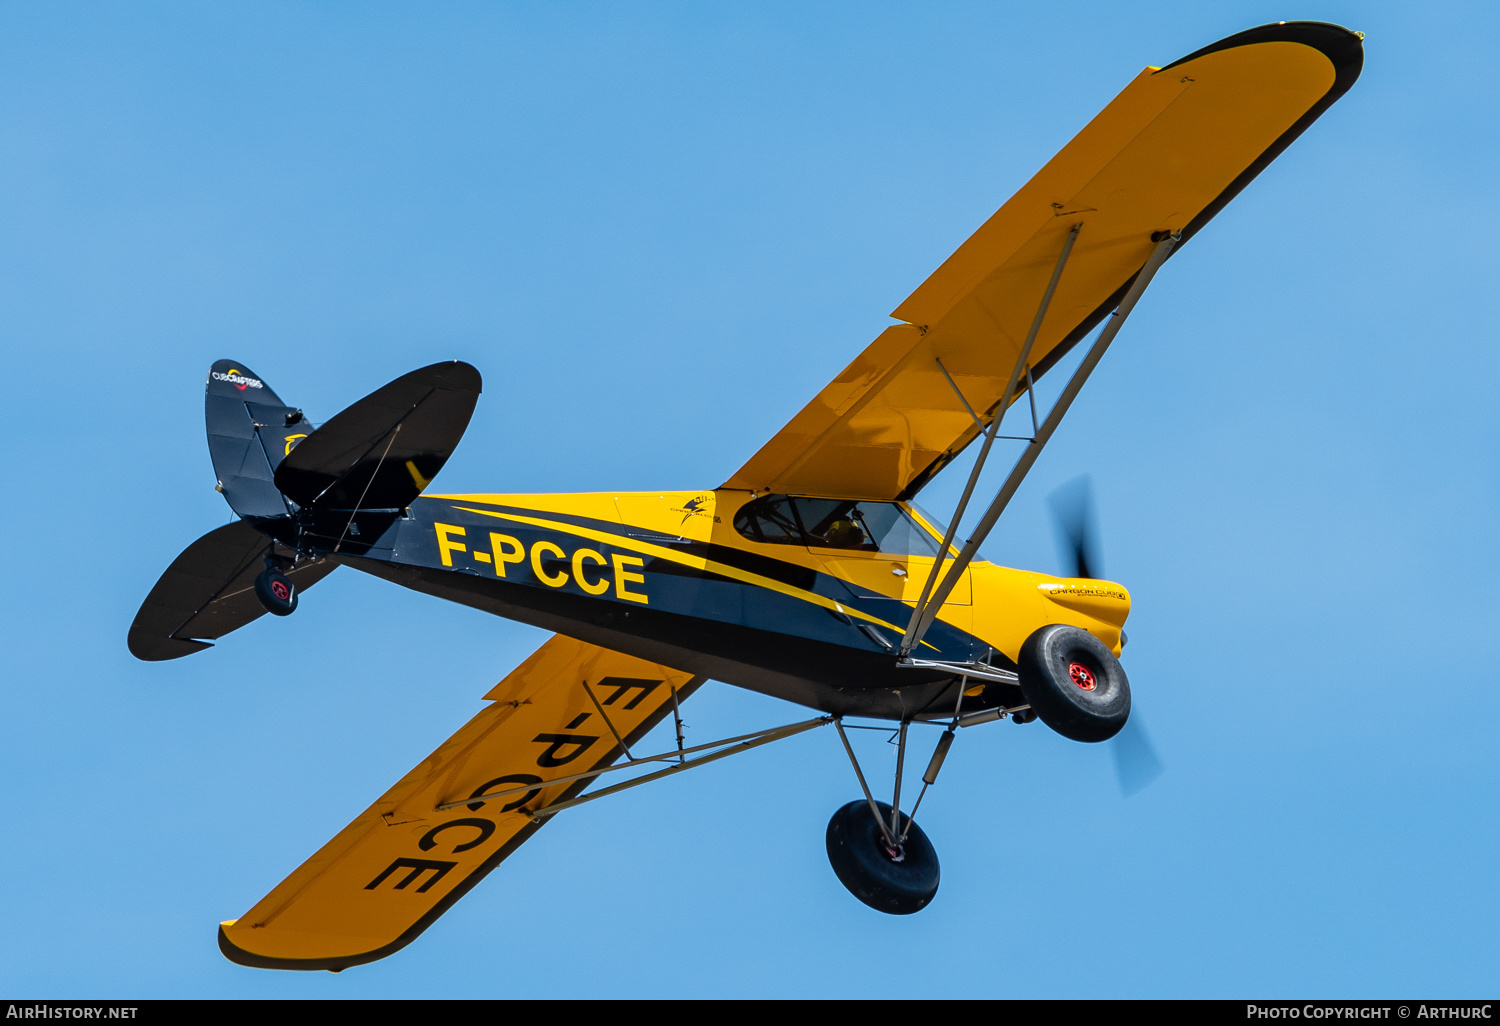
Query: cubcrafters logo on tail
x,y
238,380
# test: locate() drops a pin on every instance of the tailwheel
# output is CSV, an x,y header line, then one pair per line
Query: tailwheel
x,y
889,872
276,593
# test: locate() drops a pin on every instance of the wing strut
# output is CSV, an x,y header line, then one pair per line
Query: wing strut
x,y
728,747
605,716
926,609
909,639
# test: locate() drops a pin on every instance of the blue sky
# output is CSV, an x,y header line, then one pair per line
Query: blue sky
x,y
658,230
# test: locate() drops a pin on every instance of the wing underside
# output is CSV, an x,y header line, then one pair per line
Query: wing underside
x,y
403,861
1164,156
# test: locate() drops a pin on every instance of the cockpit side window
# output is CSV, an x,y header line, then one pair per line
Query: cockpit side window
x,y
834,524
894,531
769,519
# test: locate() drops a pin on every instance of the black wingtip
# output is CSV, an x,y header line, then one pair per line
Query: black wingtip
x,y
239,956
1344,48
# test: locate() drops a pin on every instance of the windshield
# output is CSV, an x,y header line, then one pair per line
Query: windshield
x,y
941,528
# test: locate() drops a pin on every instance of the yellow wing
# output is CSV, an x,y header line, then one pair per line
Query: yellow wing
x,y
388,875
1166,154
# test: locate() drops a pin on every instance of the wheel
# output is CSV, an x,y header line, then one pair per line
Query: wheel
x,y
275,592
1074,683
898,883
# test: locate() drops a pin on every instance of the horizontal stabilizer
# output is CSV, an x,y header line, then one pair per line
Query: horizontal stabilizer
x,y
382,451
206,592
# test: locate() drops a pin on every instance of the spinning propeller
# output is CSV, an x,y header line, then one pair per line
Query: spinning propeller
x,y
1136,761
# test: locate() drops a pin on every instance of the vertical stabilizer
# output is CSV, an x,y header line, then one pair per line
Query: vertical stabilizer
x,y
250,431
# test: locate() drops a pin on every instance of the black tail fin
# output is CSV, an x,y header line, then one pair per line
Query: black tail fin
x,y
250,431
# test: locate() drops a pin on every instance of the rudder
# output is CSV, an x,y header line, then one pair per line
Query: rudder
x,y
250,431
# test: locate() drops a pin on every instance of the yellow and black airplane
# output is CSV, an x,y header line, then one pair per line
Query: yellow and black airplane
x,y
807,575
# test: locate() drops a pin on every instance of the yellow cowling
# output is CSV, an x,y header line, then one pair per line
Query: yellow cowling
x,y
1102,600
1009,604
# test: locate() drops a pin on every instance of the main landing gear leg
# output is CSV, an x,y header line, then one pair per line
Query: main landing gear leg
x,y
881,856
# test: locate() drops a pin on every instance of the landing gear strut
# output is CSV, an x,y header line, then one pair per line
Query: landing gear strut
x,y
879,853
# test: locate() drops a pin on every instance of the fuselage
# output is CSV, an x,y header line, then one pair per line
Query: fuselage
x,y
803,598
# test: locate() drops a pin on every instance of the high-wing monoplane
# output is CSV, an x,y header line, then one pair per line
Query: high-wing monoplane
x,y
807,575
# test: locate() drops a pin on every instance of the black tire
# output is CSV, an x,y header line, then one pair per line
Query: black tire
x,y
857,851
275,592
1074,683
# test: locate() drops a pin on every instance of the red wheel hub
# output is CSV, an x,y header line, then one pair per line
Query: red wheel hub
x,y
1082,676
281,590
